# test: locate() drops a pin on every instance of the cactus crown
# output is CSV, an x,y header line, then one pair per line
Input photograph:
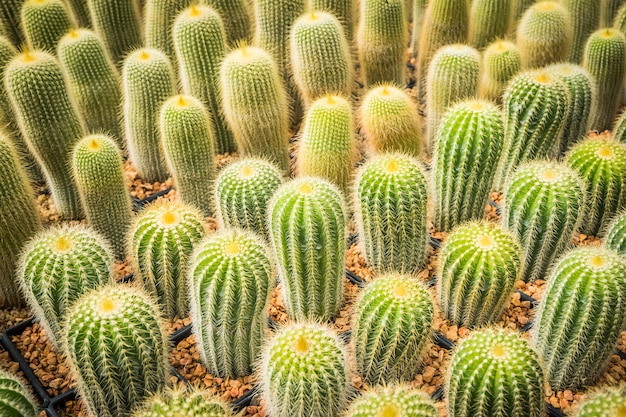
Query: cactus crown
x,y
606,403
184,404
394,401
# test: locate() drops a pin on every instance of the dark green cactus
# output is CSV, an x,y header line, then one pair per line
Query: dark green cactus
x,y
501,62
488,21
10,18
45,22
399,400
15,400
585,18
238,19
80,9
159,17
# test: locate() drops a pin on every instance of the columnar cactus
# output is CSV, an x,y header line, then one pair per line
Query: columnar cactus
x,y
501,62
602,163
400,400
304,373
230,278
80,9
15,400
327,145
10,18
187,138
585,18
390,121
480,264
255,105
419,10
620,19
495,373
605,54
161,242
581,316
467,150
392,329
619,130
116,349
159,17
320,56
200,45
344,10
606,403
45,22
489,20
518,8
57,267
184,404
608,10
544,204
48,121
7,117
391,209
307,221
616,234
148,81
238,19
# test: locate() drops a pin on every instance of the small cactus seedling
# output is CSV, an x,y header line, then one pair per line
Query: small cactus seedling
x,y
307,222
159,18
344,10
495,373
391,210
57,267
184,404
161,242
116,349
15,400
304,373
581,316
238,19
616,234
585,18
230,278
489,20
392,329
501,62
399,400
480,264
467,150
544,204
610,402
45,22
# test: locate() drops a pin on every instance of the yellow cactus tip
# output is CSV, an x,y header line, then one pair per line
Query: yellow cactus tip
x,y
330,99
605,152
607,33
107,305
144,55
477,106
168,218
621,411
385,91
543,77
500,46
390,410
597,261
181,102
302,345
93,145
550,175
486,242
399,290
194,11
546,5
63,244
73,34
243,47
312,15
232,248
305,188
246,171
498,351
392,166
27,56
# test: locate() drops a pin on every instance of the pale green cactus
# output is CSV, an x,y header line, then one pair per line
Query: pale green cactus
x,y
184,404
238,18
15,400
616,234
488,21
400,400
159,17
501,62
608,11
609,402
344,10
45,22
585,19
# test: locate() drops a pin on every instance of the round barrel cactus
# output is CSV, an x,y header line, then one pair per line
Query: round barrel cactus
x,y
616,234
605,403
184,404
399,400
501,62
15,400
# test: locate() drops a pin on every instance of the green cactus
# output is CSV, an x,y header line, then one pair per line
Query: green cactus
x,y
161,242
619,130
581,316
327,145
518,8
391,209
57,267
238,19
489,21
159,17
501,62
392,329
93,81
148,81
616,234
116,349
231,274
467,150
184,404
255,105
10,19
199,42
187,138
608,11
620,19
48,122
605,54
610,402
495,373
390,121
381,40
602,163
45,22
344,10
19,220
80,10
419,9
307,222
400,400
453,76
585,18
304,373
15,400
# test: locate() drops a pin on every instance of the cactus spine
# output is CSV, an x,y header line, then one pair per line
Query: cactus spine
x,y
160,16
184,404
616,234
489,20
391,209
606,403
57,267
199,42
307,221
392,329
580,316
344,10
15,400
402,400
501,62
230,275
45,22
238,19
585,18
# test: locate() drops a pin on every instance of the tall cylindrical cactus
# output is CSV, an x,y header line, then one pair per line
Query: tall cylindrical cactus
x,y
489,20
616,234
419,10
15,400
501,62
619,130
399,400
307,221
238,16
45,22
390,198
10,18
608,10
606,403
344,10
80,9
159,18
184,404
585,18
518,8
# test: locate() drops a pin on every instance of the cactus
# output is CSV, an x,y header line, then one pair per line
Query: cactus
x,y
327,145
381,40
238,19
93,81
391,208
344,10
401,400
116,349
501,62
619,130
518,8
544,204
19,220
15,400
580,316
118,22
45,22
160,243
467,150
419,9
605,54
187,137
535,111
10,19
184,404
57,267
390,121
148,81
255,105
320,56
616,234
230,278
620,19
7,117
495,373
392,329
608,11
80,10
199,42
480,264
48,122
585,18
159,18
453,76
307,222
602,163
489,20
606,403
304,373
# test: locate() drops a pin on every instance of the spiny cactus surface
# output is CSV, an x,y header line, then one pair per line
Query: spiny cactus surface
x,y
15,400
